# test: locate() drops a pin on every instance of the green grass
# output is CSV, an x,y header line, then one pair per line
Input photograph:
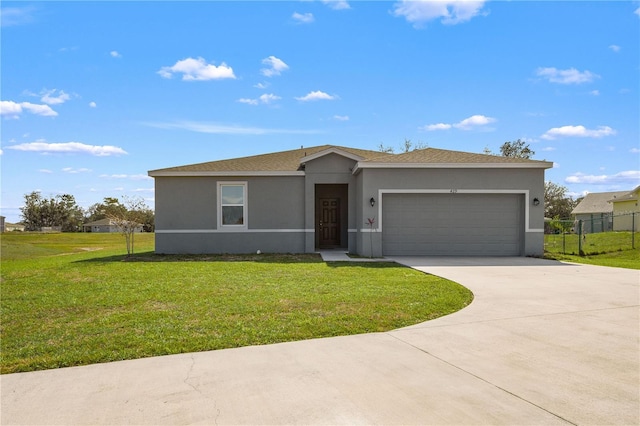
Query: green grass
x,y
629,259
592,244
75,299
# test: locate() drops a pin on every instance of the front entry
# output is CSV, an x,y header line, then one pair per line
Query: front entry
x,y
331,210
329,222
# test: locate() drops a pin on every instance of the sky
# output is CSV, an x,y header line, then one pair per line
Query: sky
x,y
96,94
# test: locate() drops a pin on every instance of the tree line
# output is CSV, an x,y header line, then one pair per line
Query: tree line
x,y
63,212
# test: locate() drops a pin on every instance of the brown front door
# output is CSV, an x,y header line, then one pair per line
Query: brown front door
x,y
328,225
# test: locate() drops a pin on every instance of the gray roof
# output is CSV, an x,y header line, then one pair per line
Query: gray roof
x,y
597,202
627,196
290,161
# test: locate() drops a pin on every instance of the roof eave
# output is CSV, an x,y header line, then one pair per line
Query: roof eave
x,y
369,165
161,173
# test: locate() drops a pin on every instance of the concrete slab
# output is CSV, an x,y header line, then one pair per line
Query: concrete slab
x,y
542,343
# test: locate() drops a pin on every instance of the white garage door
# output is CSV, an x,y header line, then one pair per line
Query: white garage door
x,y
452,224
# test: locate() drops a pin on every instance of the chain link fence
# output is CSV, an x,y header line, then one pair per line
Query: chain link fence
x,y
601,233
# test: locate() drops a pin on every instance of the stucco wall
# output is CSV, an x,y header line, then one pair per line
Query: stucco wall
x,y
329,169
375,180
187,211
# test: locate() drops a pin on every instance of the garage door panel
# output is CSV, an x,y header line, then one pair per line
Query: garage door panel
x,y
452,224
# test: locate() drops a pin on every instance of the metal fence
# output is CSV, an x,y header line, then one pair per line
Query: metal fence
x,y
602,233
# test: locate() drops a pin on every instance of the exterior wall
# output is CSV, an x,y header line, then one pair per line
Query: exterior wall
x,y
623,219
329,169
375,182
187,215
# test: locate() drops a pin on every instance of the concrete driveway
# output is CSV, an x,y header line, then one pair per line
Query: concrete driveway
x,y
542,343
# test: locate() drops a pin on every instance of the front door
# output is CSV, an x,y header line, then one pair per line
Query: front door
x,y
328,225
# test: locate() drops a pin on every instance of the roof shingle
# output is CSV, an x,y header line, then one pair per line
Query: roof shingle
x,y
289,161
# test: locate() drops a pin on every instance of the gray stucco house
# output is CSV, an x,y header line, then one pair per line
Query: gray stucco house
x,y
424,202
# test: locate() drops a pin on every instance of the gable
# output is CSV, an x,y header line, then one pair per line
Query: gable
x,y
597,202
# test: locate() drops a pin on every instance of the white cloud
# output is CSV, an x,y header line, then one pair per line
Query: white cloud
x,y
635,150
266,98
450,12
438,126
50,97
93,104
115,54
341,117
225,129
595,93
474,121
197,69
577,132
548,148
615,48
470,123
12,109
568,76
143,190
625,177
261,85
13,16
316,96
69,148
637,11
47,171
303,18
76,171
125,176
275,66
337,4
248,101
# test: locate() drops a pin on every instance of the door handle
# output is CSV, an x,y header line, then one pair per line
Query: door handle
x,y
320,224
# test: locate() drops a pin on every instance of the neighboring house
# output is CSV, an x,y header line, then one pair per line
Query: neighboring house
x,y
626,211
104,225
596,212
424,202
10,227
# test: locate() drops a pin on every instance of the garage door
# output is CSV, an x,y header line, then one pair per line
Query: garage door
x,y
452,224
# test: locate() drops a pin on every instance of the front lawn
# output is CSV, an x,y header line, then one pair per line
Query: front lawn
x,y
74,299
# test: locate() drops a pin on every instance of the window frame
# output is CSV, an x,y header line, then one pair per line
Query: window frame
x,y
245,206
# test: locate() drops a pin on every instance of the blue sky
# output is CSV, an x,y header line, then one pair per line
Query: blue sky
x,y
95,94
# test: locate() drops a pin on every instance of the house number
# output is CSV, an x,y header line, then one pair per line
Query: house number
x,y
454,191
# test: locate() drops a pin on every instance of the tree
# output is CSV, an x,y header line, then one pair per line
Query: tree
x,y
127,217
59,211
406,146
517,149
557,205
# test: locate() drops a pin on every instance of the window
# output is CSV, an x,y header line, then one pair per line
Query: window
x,y
233,204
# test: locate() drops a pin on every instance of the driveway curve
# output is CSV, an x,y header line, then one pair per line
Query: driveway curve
x,y
543,343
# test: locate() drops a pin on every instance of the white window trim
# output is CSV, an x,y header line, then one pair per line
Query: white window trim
x,y
234,228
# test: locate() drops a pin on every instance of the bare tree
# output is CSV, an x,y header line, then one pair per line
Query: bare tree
x,y
128,219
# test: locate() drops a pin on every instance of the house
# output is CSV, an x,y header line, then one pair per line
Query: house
x,y
596,212
424,202
626,211
11,227
104,225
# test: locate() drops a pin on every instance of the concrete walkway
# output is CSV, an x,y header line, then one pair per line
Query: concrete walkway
x,y
542,343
